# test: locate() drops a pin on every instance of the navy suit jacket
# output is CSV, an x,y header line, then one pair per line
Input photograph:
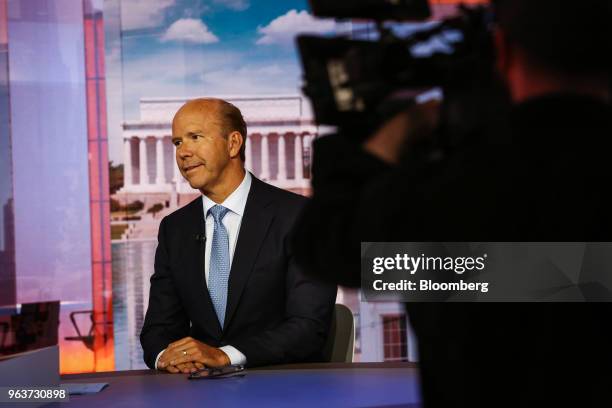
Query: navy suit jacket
x,y
275,314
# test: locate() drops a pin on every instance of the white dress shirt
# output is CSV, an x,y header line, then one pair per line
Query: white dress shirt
x,y
235,203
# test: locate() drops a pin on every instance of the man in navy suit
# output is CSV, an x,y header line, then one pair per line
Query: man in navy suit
x,y
226,289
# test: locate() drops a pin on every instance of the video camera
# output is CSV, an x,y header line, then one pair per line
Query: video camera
x,y
357,81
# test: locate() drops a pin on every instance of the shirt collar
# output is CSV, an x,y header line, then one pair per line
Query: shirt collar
x,y
236,201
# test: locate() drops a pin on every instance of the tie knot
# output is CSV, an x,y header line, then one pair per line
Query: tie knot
x,y
218,212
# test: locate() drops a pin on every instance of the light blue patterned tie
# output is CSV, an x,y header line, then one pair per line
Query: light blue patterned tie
x,y
219,267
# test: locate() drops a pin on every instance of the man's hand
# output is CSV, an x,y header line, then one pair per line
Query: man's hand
x,y
185,368
408,126
186,354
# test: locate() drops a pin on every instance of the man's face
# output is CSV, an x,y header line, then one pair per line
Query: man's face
x,y
202,152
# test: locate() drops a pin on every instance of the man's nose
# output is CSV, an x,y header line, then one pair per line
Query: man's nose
x,y
184,151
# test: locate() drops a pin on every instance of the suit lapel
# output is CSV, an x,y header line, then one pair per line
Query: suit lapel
x,y
258,215
196,274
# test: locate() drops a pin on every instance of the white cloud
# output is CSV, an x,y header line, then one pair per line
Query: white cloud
x,y
283,29
251,79
112,53
189,30
171,72
237,5
137,14
173,66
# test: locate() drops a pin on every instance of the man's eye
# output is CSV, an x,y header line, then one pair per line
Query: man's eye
x,y
177,143
194,137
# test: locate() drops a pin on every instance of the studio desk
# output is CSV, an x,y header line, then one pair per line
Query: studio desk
x,y
299,385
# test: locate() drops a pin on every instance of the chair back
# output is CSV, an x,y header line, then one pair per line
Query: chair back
x,y
340,344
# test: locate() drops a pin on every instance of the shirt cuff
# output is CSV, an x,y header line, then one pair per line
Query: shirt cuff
x,y
157,358
235,356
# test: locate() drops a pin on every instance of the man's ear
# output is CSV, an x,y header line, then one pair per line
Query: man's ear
x,y
235,140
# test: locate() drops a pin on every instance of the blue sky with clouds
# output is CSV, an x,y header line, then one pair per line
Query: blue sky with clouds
x,y
185,48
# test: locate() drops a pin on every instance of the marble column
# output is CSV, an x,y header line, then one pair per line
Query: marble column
x,y
282,159
142,150
265,158
160,176
127,163
248,164
176,176
298,158
309,138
